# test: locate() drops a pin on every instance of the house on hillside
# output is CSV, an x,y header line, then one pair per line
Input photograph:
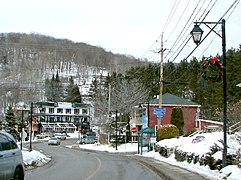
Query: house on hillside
x,y
190,112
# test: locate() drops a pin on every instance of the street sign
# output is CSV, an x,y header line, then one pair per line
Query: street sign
x,y
160,112
134,129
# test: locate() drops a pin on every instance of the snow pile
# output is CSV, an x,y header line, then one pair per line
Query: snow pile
x,y
34,159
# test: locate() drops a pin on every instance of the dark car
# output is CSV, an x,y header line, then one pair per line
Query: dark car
x,y
11,158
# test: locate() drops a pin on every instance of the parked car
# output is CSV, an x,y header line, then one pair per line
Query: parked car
x,y
88,140
60,136
42,135
54,141
11,158
120,139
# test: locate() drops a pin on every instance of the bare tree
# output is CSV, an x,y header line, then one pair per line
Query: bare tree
x,y
121,96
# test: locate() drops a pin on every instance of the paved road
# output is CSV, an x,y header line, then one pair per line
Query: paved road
x,y
81,164
78,164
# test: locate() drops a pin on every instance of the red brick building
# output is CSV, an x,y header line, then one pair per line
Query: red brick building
x,y
190,111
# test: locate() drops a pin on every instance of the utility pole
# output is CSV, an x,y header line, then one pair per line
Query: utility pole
x,y
161,77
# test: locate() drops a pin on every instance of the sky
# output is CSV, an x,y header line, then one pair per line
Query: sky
x,y
182,143
131,27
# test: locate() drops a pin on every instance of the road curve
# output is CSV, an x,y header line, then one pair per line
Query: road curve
x,y
77,164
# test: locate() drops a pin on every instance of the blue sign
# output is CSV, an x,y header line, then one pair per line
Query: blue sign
x,y
144,121
159,117
160,112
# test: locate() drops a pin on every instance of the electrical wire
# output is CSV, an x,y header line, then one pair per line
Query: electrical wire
x,y
237,1
232,6
170,15
178,21
188,37
183,31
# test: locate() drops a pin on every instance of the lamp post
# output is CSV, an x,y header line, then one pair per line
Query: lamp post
x,y
22,130
116,138
197,35
31,127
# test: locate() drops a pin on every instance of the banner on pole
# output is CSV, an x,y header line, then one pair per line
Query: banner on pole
x,y
144,121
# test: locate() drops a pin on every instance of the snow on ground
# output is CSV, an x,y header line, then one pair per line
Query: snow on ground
x,y
184,143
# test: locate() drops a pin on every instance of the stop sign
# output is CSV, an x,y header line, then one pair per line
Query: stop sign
x,y
134,130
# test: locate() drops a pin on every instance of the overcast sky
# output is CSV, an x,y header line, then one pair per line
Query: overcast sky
x,y
130,27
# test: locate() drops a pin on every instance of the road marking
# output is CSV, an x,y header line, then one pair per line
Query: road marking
x,y
92,175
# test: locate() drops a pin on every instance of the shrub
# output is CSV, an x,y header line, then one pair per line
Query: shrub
x,y
167,132
180,155
177,119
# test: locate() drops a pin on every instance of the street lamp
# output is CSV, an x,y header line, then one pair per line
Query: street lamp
x,y
197,35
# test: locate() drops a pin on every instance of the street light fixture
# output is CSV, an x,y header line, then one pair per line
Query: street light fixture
x,y
197,35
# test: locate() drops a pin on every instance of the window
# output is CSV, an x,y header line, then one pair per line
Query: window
x,y
68,111
84,111
60,110
51,119
42,110
51,110
59,119
76,111
6,143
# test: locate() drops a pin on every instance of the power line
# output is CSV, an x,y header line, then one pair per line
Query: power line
x,y
174,6
232,6
183,30
188,37
178,20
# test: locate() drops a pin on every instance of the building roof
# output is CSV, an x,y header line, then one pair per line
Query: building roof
x,y
58,104
170,99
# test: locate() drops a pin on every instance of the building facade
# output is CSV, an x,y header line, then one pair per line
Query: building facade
x,y
169,102
62,116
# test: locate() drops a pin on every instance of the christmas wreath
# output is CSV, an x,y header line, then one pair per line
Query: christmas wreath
x,y
212,70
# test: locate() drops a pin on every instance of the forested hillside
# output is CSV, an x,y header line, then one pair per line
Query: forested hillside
x,y
27,60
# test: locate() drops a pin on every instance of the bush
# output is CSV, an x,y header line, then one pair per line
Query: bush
x,y
167,132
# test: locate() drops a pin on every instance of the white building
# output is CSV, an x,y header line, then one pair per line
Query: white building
x,y
62,116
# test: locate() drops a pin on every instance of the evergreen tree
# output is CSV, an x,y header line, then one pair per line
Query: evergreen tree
x,y
11,123
177,119
72,92
54,89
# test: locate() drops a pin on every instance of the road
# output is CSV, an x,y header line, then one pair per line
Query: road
x,y
76,164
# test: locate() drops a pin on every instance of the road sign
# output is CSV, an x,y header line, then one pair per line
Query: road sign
x,y
159,117
134,129
160,112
